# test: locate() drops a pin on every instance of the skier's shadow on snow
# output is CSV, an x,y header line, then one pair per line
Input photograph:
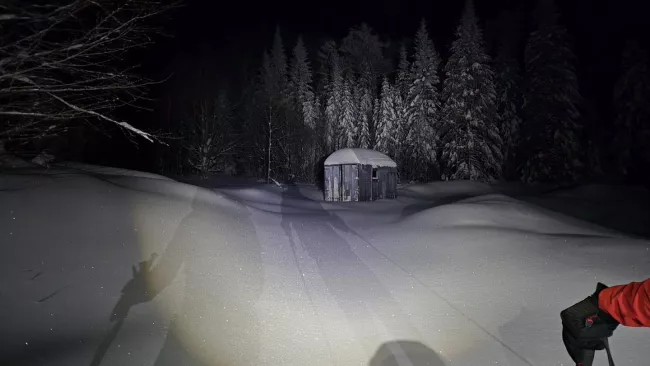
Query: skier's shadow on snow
x,y
217,246
352,284
393,354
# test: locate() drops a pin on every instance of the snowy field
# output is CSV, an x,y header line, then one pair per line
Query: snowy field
x,y
449,274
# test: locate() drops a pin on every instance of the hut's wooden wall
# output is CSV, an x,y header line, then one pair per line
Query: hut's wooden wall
x,y
392,184
354,182
341,182
365,182
385,186
331,186
350,182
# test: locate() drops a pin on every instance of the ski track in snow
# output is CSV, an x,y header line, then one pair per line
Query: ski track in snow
x,y
449,274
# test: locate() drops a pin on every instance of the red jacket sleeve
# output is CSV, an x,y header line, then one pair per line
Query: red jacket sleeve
x,y
628,304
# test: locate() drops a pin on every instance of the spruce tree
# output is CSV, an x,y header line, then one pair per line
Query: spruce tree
x,y
403,74
302,95
509,101
377,122
550,133
363,103
279,67
422,108
471,142
363,54
399,127
363,138
304,112
285,153
400,98
348,116
327,56
333,106
387,116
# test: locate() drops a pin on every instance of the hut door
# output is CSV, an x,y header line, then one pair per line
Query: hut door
x,y
392,185
354,182
365,182
333,183
335,187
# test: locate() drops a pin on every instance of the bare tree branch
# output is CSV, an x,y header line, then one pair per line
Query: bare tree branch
x,y
210,141
124,125
64,62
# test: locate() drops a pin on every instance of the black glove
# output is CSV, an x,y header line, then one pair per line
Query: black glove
x,y
585,327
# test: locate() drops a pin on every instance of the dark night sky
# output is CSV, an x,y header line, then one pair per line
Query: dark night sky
x,y
237,32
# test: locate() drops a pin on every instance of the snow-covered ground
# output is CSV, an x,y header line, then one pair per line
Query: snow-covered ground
x,y
448,274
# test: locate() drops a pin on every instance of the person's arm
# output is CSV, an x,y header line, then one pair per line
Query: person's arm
x,y
162,274
628,304
149,279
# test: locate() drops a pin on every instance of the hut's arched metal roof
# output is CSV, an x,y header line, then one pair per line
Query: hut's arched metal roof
x,y
360,156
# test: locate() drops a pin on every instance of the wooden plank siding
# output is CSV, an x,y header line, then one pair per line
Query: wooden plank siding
x,y
391,191
365,188
355,182
386,183
351,173
332,183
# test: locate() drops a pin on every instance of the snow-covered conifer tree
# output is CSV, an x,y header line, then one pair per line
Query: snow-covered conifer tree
x,y
328,54
364,108
333,106
300,81
403,82
376,117
279,67
362,52
399,126
387,115
273,95
422,109
304,112
471,142
348,116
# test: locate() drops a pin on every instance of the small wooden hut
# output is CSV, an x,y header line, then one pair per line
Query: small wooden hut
x,y
359,175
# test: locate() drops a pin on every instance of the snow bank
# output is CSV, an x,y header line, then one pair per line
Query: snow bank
x,y
501,212
220,180
618,207
104,170
360,156
424,191
68,243
69,240
605,193
508,268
